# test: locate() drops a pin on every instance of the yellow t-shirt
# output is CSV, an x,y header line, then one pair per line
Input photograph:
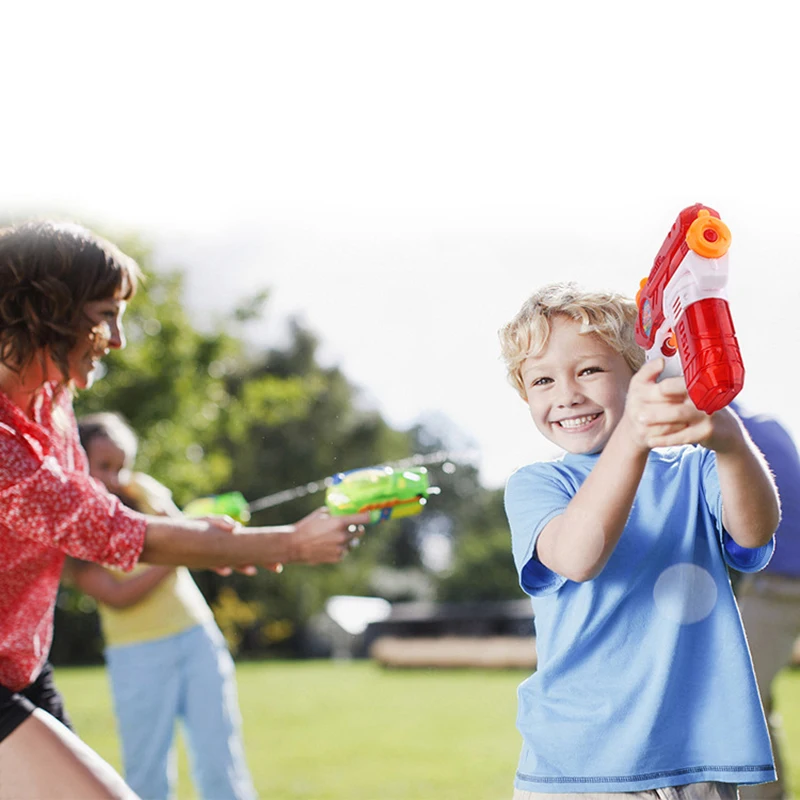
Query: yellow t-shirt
x,y
175,605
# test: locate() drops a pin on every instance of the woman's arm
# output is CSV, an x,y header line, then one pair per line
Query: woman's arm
x,y
208,544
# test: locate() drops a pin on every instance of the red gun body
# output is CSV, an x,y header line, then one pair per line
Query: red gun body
x,y
684,315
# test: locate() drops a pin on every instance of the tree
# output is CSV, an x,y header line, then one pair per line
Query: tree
x,y
483,568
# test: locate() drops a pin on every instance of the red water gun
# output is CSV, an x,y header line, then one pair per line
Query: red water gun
x,y
684,316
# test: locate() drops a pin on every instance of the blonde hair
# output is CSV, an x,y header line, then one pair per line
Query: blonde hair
x,y
609,315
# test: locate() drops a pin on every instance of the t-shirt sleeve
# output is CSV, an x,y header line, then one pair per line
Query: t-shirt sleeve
x,y
68,511
534,495
742,559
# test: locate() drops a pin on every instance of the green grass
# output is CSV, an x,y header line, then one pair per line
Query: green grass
x,y
326,730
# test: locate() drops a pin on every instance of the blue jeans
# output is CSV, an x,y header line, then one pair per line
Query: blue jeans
x,y
188,677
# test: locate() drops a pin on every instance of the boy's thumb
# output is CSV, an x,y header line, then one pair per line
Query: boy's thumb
x,y
652,369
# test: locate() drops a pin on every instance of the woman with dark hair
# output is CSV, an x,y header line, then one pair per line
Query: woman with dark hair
x,y
63,292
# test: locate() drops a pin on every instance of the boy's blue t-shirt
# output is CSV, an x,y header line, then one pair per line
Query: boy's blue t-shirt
x,y
644,679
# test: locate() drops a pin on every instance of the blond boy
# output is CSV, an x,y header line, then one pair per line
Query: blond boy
x,y
644,684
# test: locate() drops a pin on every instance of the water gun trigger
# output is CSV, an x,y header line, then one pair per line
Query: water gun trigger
x,y
669,347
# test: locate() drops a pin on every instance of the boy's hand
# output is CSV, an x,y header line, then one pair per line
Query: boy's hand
x,y
662,415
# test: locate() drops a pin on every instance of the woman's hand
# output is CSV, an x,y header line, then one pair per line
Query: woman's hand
x,y
320,538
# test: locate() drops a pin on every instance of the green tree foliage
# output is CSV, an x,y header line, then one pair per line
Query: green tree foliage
x,y
483,568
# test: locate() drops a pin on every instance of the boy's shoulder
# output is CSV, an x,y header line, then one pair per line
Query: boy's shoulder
x,y
566,470
542,467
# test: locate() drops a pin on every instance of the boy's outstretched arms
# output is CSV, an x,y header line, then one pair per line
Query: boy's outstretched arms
x,y
207,544
578,543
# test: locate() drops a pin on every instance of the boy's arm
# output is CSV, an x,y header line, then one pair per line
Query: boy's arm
x,y
98,582
750,503
578,543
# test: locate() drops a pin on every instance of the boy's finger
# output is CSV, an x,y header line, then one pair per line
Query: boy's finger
x,y
650,370
674,387
659,431
687,434
667,414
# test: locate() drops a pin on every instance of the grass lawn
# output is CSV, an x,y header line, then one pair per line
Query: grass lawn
x,y
323,730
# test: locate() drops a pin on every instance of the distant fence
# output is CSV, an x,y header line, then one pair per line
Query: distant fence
x,y
423,634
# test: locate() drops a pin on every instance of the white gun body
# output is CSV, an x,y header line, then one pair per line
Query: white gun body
x,y
696,279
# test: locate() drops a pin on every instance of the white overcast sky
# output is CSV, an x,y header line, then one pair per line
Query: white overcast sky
x,y
403,174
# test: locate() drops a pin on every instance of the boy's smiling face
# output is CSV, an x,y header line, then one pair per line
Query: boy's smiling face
x,y
576,388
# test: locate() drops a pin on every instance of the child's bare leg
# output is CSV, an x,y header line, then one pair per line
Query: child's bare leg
x,y
42,758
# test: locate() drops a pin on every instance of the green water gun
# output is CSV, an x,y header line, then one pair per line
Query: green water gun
x,y
231,504
384,492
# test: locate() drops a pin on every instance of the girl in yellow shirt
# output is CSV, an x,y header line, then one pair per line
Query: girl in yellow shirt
x,y
167,659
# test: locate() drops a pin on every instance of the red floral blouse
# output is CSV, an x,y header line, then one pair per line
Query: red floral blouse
x,y
49,506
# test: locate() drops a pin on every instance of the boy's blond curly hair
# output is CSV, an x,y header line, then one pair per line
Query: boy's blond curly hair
x,y
610,315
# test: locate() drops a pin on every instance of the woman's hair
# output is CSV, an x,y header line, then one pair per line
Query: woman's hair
x,y
48,272
609,315
112,426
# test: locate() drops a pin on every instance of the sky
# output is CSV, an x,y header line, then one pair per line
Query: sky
x,y
401,176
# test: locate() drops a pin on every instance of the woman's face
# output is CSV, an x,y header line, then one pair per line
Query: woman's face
x,y
106,334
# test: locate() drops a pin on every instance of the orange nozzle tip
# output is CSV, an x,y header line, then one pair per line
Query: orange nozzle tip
x,y
708,236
